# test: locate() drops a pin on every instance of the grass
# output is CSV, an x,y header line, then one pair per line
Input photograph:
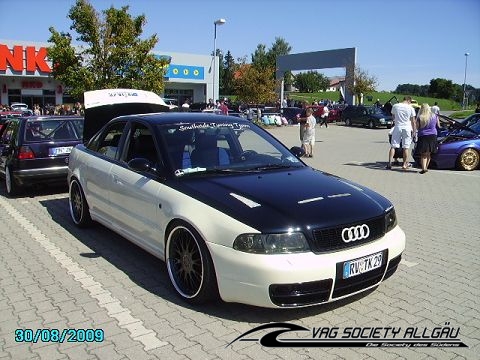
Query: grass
x,y
444,104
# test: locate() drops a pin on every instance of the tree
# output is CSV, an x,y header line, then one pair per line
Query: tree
x,y
363,83
227,79
110,54
441,88
311,81
253,85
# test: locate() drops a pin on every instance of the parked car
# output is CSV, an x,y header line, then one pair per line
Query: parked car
x,y
370,116
211,196
17,106
458,144
35,150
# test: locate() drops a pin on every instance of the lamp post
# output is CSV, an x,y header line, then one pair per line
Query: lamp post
x,y
217,22
465,82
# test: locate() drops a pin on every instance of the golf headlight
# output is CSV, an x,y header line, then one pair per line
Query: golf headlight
x,y
285,243
390,220
382,121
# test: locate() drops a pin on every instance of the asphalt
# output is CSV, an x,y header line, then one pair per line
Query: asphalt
x,y
56,276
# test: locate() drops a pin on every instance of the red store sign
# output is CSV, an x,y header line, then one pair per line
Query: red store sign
x,y
20,59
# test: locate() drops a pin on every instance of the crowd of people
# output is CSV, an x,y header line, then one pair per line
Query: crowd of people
x,y
48,109
411,127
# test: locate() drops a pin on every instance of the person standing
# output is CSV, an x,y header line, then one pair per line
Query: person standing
x,y
324,116
427,122
302,119
309,133
223,108
404,127
435,109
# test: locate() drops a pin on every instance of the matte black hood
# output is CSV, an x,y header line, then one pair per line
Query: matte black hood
x,y
278,200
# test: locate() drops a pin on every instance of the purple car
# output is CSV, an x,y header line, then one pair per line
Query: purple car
x,y
458,144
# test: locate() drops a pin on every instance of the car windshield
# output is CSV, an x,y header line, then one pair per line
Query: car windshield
x,y
375,110
53,129
223,147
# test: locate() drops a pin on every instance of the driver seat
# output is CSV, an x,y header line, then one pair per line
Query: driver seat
x,y
207,153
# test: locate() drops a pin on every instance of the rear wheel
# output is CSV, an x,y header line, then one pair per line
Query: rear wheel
x,y
79,210
190,266
11,186
468,160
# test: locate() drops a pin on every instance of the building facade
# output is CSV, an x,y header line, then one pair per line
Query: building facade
x,y
25,76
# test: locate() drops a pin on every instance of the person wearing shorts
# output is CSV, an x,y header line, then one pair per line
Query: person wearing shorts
x,y
404,127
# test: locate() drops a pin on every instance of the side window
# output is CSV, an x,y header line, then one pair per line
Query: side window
x,y
9,133
109,141
141,144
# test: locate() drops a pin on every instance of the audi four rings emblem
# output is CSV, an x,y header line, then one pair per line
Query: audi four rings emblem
x,y
354,233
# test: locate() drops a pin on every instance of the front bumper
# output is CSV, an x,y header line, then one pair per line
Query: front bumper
x,y
296,280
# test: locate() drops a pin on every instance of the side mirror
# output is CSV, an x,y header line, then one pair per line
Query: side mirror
x,y
297,151
140,164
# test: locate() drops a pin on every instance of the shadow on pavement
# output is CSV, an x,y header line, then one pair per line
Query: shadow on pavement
x,y
150,273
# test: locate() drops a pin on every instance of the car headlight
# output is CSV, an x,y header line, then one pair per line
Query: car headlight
x,y
382,121
390,220
291,242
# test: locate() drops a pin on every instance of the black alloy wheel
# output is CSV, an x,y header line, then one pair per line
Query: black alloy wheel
x,y
189,264
79,210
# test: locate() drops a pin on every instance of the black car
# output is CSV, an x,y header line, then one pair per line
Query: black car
x,y
36,149
370,116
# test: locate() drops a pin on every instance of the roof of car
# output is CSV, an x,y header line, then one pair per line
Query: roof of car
x,y
178,117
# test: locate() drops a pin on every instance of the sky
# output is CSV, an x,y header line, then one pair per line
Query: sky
x,y
397,42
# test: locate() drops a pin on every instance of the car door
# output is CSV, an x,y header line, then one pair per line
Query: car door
x,y
97,173
8,141
135,195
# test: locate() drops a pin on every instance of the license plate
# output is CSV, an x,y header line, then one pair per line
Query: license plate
x,y
60,150
360,266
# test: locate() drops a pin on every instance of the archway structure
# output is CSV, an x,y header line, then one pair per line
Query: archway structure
x,y
327,59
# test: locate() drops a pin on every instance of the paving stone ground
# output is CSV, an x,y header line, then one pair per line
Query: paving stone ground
x,y
56,276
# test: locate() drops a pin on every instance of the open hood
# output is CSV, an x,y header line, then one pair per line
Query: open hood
x,y
451,124
103,105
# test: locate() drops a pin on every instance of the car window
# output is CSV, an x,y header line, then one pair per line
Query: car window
x,y
140,144
196,148
9,133
52,129
108,143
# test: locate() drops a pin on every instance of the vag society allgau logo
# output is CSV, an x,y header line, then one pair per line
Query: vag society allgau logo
x,y
355,233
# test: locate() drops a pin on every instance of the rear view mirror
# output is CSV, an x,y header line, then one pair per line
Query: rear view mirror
x,y
297,151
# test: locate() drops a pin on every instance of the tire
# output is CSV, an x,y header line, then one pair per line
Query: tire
x,y
79,210
348,122
371,125
468,160
190,266
11,187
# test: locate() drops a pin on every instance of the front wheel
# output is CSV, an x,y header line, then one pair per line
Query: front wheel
x,y
79,211
190,267
371,125
348,122
468,160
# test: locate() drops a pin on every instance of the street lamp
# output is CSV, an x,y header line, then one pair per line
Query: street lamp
x,y
217,22
465,82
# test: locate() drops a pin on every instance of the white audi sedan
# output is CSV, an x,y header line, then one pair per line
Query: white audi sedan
x,y
229,208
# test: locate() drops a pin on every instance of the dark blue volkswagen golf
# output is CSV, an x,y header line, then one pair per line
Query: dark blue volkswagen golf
x,y
36,149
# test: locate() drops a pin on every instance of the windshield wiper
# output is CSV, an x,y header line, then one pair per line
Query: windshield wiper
x,y
198,170
269,167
